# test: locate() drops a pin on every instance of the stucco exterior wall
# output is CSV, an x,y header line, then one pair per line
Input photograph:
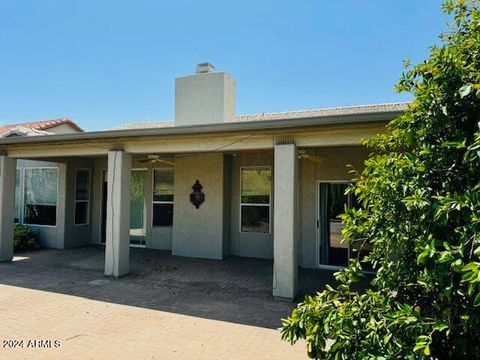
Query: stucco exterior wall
x,y
199,232
333,167
256,245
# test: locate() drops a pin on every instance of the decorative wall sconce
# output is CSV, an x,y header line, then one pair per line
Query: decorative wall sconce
x,y
197,197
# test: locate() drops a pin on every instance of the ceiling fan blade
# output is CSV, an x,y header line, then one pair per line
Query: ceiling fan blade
x,y
168,162
314,158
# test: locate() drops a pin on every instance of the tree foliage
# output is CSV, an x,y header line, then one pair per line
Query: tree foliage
x,y
420,211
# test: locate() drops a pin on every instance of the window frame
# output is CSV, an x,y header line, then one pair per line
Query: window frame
x,y
170,168
23,222
75,201
269,205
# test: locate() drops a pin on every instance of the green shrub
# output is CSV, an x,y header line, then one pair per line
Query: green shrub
x,y
420,212
24,238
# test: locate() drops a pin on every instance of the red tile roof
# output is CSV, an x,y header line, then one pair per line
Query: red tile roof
x,y
40,125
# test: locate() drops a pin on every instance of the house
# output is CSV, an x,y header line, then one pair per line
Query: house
x,y
208,184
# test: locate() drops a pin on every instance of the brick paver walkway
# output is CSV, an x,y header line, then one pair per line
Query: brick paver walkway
x,y
89,329
167,308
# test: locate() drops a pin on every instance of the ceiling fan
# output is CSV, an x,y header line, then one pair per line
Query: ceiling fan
x,y
153,159
302,154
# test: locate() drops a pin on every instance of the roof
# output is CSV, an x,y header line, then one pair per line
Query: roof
x,y
146,125
303,120
23,131
322,112
271,116
37,127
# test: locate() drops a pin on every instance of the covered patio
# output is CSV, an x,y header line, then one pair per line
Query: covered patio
x,y
94,183
236,290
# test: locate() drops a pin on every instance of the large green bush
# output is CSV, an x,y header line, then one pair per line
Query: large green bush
x,y
420,211
24,238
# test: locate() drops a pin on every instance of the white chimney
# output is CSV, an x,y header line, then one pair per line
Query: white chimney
x,y
208,97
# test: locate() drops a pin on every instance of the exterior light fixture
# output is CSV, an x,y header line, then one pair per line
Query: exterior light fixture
x,y
197,197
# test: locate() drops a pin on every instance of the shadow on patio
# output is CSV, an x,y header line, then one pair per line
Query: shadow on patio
x,y
235,290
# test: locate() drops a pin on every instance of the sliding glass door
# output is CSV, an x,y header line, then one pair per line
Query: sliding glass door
x,y
138,208
331,203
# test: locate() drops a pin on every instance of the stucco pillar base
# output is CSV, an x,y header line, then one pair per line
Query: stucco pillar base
x,y
117,246
7,206
285,228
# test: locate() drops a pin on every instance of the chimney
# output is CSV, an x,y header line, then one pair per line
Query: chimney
x,y
208,97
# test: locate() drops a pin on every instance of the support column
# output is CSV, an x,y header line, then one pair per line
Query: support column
x,y
8,167
117,246
285,228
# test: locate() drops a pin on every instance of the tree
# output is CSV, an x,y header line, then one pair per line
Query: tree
x,y
420,211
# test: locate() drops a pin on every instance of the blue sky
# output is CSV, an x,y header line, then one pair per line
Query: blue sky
x,y
103,63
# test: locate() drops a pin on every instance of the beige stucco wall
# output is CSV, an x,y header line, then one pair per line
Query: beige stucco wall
x,y
199,232
333,167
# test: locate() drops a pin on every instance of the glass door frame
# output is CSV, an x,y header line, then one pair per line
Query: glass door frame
x,y
145,205
318,233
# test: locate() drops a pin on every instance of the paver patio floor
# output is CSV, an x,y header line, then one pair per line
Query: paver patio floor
x,y
90,329
167,308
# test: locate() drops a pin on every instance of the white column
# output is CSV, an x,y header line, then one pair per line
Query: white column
x,y
285,229
7,206
117,247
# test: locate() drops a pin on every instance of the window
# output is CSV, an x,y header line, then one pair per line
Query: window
x,y
162,197
17,196
40,196
82,196
255,191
